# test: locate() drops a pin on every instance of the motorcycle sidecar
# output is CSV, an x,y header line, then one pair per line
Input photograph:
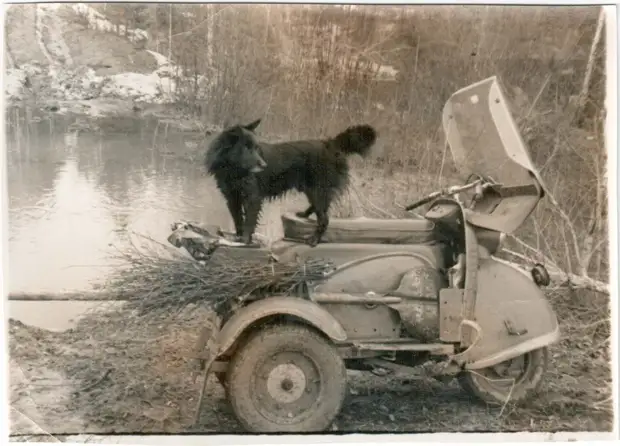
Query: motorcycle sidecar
x,y
283,360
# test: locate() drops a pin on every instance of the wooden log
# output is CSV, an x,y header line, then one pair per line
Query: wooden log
x,y
86,296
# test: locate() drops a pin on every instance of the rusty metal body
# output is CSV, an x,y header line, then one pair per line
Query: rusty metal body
x,y
416,291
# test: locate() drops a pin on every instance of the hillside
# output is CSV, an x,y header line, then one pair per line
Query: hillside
x,y
66,55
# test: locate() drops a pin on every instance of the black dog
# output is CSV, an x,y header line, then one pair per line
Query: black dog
x,y
247,172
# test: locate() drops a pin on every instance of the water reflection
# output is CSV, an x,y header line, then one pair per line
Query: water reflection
x,y
71,228
73,193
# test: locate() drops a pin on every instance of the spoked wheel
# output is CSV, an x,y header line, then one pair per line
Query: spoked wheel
x,y
514,380
286,378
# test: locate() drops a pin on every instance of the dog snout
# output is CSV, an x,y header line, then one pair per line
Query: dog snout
x,y
260,165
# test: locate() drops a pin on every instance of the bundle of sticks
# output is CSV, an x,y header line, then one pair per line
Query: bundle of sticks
x,y
219,273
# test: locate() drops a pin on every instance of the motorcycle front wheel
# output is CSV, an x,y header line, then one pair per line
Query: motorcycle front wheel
x,y
515,380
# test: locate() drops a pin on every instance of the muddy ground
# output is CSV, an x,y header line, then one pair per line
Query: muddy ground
x,y
118,373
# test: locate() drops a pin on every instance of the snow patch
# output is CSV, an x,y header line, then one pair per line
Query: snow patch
x,y
62,82
165,68
381,72
15,80
141,87
159,58
77,84
386,72
99,22
50,38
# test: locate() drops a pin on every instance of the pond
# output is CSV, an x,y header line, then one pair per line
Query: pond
x,y
76,188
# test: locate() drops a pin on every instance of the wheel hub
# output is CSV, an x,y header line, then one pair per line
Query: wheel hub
x,y
287,387
286,383
511,369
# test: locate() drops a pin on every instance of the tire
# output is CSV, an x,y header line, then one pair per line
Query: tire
x,y
286,378
494,387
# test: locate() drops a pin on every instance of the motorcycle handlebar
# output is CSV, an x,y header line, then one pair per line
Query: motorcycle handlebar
x,y
450,191
421,202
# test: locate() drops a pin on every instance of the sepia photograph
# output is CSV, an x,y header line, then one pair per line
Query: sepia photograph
x,y
260,218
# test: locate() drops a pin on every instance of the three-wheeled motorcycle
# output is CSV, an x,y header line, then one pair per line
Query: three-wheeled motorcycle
x,y
405,294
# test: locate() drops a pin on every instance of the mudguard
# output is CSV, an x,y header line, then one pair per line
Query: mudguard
x,y
513,315
306,310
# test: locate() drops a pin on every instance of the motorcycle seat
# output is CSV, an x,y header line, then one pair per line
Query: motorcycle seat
x,y
403,231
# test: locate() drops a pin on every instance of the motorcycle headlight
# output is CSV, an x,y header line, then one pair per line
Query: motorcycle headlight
x,y
540,275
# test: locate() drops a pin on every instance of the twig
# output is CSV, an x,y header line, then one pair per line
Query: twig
x,y
94,384
546,259
507,398
569,222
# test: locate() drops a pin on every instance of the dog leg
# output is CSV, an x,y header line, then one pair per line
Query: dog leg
x,y
252,213
236,211
322,221
307,213
320,200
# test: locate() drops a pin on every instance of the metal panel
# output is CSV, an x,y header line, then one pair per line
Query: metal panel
x,y
360,321
450,314
506,294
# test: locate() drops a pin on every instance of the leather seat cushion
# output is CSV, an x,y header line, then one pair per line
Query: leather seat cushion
x,y
361,230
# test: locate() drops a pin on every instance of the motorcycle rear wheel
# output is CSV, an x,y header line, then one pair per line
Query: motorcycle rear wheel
x,y
515,380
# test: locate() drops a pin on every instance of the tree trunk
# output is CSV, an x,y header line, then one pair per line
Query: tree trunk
x,y
170,33
583,96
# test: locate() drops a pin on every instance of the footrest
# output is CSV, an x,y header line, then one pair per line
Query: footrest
x,y
405,345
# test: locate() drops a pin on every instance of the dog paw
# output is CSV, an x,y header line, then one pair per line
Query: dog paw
x,y
312,241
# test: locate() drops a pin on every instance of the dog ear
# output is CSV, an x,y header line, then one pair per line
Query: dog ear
x,y
233,137
252,126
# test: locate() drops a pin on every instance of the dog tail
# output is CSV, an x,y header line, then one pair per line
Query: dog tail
x,y
356,139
